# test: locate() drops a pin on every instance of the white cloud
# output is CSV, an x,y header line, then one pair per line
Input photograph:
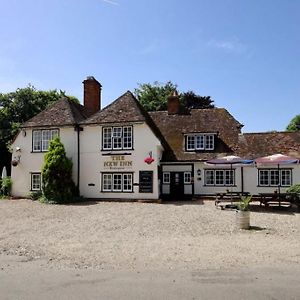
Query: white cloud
x,y
111,2
233,45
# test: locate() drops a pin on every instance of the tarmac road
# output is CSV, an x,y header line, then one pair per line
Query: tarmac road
x,y
24,279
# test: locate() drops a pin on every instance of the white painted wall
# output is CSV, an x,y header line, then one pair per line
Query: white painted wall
x,y
32,162
92,162
250,180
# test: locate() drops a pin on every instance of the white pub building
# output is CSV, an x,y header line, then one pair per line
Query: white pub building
x,y
123,152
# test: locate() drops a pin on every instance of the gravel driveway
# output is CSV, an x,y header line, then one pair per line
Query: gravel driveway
x,y
106,235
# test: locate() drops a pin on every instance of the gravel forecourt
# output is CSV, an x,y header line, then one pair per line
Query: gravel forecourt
x,y
133,236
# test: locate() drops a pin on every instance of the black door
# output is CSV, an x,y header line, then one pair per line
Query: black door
x,y
176,185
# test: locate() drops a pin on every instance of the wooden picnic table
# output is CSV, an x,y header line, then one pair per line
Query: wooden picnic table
x,y
222,200
278,198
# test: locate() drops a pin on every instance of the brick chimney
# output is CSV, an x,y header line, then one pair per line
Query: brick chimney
x,y
173,103
92,94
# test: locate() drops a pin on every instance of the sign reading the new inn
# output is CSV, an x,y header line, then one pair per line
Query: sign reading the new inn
x,y
117,163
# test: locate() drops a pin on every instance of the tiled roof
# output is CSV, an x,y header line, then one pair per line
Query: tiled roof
x,y
124,109
253,145
214,120
61,113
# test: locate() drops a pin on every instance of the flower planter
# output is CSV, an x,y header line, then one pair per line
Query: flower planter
x,y
243,219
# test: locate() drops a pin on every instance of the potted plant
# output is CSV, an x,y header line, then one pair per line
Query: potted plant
x,y
243,213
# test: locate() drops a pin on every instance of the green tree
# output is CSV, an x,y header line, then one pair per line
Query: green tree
x,y
294,124
57,183
191,100
154,96
16,108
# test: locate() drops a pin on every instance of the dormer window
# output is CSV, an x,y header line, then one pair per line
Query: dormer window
x,y
198,142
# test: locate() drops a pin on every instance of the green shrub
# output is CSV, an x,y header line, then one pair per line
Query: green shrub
x,y
6,186
35,195
294,189
57,183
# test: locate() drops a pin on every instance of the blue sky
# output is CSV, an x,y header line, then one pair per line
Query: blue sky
x,y
244,54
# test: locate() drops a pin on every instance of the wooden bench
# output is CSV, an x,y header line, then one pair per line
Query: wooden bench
x,y
228,199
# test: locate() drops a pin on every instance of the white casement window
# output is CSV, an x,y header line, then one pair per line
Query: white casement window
x,y
200,142
190,142
117,138
209,177
219,177
127,182
286,177
187,178
209,142
272,177
35,181
107,135
117,182
107,182
166,177
127,137
42,138
36,140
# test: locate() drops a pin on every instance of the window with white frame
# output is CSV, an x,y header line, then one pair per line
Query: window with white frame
x,y
117,138
117,182
209,177
166,177
187,178
42,138
197,142
35,181
272,177
219,177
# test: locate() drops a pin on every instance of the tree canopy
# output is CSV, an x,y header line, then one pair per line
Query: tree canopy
x,y
57,183
16,108
294,125
154,96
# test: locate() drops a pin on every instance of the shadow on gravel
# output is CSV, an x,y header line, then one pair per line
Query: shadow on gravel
x,y
183,202
282,210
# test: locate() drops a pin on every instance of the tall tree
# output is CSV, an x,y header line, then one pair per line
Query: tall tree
x,y
16,108
154,97
294,125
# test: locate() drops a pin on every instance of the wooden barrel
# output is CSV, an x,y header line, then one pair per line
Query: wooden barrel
x,y
243,219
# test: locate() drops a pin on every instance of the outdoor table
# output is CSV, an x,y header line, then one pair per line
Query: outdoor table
x,y
265,198
228,197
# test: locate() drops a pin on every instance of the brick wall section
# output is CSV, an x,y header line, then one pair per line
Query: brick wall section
x,y
92,94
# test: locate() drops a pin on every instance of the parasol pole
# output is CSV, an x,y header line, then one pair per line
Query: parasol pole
x,y
279,179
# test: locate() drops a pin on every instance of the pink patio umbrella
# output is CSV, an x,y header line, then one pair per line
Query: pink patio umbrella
x,y
277,160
